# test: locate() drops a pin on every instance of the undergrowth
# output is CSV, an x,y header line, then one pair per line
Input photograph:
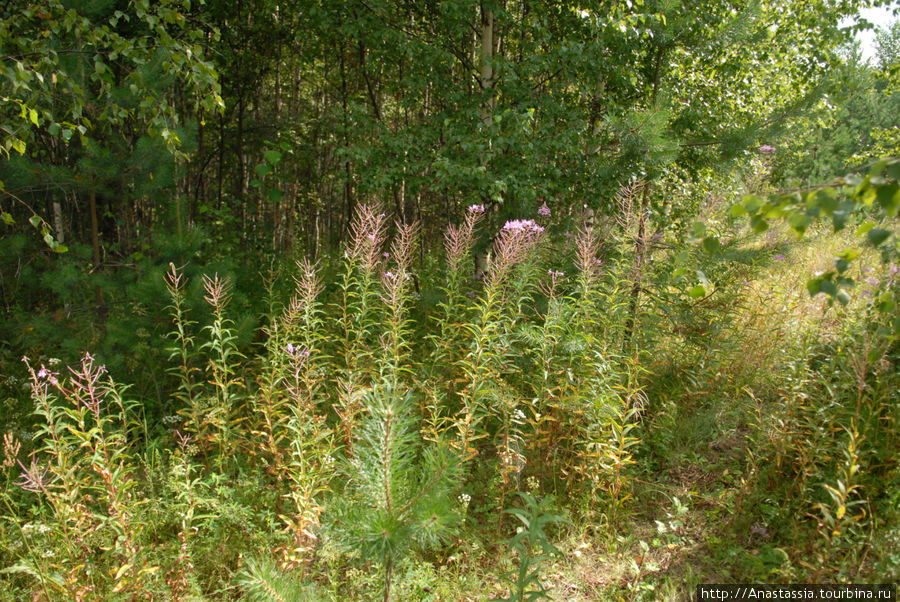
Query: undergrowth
x,y
395,430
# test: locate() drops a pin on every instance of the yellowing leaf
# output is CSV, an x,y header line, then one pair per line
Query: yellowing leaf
x,y
121,571
149,570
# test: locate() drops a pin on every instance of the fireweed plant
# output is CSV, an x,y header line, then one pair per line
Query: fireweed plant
x,y
364,429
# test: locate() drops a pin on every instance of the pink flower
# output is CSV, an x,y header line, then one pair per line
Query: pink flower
x,y
475,208
295,351
523,225
766,149
544,210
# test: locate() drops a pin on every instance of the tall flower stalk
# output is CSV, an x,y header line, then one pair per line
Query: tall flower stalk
x,y
450,338
396,285
484,364
359,320
84,470
181,352
221,348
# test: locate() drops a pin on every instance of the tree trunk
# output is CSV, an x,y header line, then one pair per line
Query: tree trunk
x,y
58,222
487,57
640,243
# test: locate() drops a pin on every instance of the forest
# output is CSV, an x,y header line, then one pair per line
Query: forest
x,y
447,299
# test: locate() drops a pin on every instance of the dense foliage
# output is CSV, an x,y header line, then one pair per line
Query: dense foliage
x,y
441,300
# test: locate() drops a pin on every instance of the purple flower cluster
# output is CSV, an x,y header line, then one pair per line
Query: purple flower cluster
x,y
766,149
475,208
45,374
523,225
544,210
296,352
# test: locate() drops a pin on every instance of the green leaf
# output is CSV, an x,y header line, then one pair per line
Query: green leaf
x,y
824,200
877,236
889,198
814,286
759,224
33,116
839,220
754,203
7,218
798,222
60,248
849,254
842,297
53,129
262,170
255,183
275,195
711,244
738,210
697,292
35,221
272,156
698,230
48,238
886,303
864,228
841,264
893,169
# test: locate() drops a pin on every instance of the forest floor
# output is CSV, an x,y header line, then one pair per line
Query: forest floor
x,y
692,520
